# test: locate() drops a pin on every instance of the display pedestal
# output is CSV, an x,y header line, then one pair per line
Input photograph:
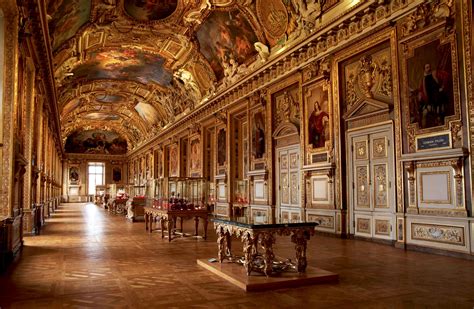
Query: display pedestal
x,y
235,274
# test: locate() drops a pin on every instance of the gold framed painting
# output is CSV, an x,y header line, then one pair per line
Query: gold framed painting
x,y
221,149
317,118
174,160
258,137
430,85
195,161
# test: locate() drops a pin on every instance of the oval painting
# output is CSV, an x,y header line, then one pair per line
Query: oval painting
x,y
146,10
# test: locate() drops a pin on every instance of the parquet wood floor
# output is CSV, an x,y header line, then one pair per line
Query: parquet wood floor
x,y
87,258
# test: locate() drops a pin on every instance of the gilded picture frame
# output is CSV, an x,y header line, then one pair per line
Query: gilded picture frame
x,y
173,160
221,149
317,119
258,138
195,156
428,54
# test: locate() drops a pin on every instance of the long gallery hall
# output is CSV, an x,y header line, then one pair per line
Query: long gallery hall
x,y
89,258
236,153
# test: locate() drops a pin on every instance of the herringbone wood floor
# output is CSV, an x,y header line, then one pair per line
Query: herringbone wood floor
x,y
87,258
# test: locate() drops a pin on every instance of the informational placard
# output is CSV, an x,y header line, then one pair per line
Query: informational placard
x,y
431,142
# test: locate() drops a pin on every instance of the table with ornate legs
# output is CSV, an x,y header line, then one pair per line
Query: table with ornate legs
x,y
261,269
168,218
254,236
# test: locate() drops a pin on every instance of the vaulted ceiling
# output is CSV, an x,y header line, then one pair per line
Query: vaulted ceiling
x,y
131,67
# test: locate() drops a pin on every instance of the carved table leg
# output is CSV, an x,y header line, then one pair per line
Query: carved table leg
x,y
300,239
162,225
196,223
146,221
205,228
220,244
171,224
267,239
248,248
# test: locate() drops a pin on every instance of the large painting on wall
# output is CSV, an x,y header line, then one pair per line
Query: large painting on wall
x,y
96,142
226,38
258,135
68,17
195,156
117,174
150,9
124,64
317,117
430,84
174,160
74,175
221,147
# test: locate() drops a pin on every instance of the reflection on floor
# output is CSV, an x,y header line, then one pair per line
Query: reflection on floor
x,y
89,258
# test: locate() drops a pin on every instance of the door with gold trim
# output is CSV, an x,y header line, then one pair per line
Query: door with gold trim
x,y
372,180
288,184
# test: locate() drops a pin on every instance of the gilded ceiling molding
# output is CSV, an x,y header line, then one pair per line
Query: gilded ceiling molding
x,y
358,21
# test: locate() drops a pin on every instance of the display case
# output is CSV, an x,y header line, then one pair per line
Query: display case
x,y
241,198
100,195
181,193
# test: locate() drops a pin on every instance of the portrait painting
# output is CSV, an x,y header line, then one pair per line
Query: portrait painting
x,y
174,160
317,117
109,98
145,10
74,175
226,38
258,135
195,156
430,84
221,147
68,17
159,163
124,64
96,142
117,174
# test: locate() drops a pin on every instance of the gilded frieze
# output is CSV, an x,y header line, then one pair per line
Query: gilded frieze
x,y
453,235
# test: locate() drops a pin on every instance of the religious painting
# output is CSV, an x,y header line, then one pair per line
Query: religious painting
x,y
174,160
226,39
101,116
159,163
74,175
147,112
258,134
68,17
109,98
429,73
221,147
317,116
96,142
146,10
195,156
124,64
117,174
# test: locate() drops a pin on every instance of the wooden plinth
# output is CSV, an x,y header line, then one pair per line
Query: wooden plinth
x,y
235,274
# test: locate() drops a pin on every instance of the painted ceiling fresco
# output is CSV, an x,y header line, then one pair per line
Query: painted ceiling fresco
x,y
134,66
69,16
226,38
96,142
150,9
101,116
124,64
109,98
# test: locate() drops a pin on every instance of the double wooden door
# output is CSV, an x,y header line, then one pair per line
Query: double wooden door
x,y
288,184
372,181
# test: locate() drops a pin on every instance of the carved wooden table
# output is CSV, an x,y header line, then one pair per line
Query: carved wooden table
x,y
168,218
254,234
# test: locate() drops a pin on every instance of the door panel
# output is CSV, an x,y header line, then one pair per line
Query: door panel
x,y
288,177
371,173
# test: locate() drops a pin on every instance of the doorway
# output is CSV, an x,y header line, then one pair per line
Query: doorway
x,y
371,187
288,184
